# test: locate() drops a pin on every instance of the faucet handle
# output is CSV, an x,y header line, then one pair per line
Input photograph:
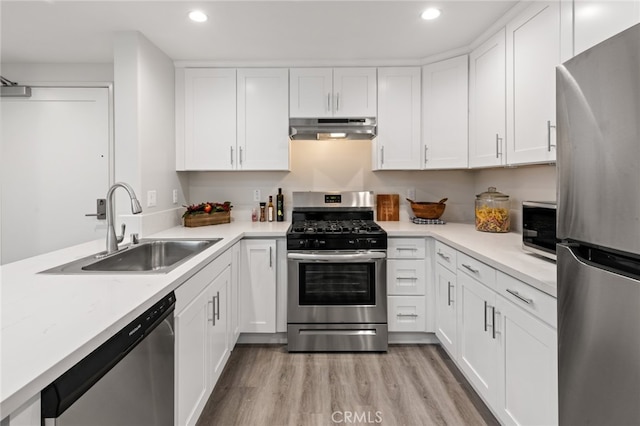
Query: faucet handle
x,y
119,238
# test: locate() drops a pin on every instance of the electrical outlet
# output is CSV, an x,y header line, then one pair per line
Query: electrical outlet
x,y
151,198
411,193
175,196
256,195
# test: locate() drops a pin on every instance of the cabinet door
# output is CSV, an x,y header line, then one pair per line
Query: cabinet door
x,y
258,287
209,119
406,313
263,119
533,52
477,350
527,368
445,104
310,92
354,92
596,21
446,307
487,101
234,289
219,325
192,358
398,140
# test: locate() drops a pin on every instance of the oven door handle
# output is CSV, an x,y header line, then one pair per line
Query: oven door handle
x,y
346,257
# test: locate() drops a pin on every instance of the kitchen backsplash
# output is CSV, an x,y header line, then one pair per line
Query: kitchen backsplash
x,y
346,166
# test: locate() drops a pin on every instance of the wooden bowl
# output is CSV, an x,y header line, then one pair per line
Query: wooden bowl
x,y
428,210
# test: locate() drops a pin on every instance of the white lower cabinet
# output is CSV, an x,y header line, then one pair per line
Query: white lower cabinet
x,y
234,295
446,309
502,334
477,351
407,281
528,372
202,342
258,286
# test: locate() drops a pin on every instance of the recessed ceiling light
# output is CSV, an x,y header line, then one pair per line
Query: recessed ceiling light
x,y
198,16
431,13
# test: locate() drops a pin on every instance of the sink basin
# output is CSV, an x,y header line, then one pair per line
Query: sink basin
x,y
149,256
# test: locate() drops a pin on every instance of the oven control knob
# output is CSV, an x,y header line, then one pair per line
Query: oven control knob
x,y
305,243
316,243
372,242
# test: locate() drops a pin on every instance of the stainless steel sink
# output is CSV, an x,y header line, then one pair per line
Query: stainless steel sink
x,y
149,256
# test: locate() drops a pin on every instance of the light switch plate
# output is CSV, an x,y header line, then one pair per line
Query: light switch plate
x,y
151,198
175,196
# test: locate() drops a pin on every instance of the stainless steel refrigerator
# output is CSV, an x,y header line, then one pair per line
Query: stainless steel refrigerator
x,y
598,119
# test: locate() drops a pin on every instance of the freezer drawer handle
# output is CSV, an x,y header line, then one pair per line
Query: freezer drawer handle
x,y
519,296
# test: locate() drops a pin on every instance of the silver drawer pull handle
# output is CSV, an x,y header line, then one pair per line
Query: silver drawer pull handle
x,y
407,278
406,248
524,299
475,271
444,256
408,315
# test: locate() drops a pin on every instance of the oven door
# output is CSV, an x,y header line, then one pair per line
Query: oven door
x,y
337,287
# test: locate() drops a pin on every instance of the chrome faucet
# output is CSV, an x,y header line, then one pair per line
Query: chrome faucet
x,y
112,239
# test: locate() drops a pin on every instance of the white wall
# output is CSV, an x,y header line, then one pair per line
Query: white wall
x,y
144,131
51,74
335,165
530,183
346,165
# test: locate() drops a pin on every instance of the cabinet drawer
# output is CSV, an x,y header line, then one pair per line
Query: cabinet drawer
x,y
406,248
406,313
478,270
530,299
446,256
406,276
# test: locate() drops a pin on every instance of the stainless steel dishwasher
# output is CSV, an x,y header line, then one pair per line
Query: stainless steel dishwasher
x,y
128,380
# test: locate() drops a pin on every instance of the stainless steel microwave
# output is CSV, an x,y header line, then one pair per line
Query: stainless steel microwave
x,y
539,228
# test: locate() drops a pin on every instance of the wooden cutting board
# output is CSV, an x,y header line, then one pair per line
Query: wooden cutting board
x,y
388,207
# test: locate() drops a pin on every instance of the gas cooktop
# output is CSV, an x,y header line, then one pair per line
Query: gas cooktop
x,y
334,221
354,226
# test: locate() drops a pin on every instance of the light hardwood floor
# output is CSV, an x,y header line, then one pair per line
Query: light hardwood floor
x,y
408,385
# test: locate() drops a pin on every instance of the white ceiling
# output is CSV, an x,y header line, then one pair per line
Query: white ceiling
x,y
60,31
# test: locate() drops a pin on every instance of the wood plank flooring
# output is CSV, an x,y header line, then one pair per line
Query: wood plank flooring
x,y
408,385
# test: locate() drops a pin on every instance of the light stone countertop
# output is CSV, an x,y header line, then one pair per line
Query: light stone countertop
x,y
50,322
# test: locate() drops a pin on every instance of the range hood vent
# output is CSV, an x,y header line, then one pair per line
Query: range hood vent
x,y
332,128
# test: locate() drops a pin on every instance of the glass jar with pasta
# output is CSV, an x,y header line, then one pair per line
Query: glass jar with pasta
x,y
492,211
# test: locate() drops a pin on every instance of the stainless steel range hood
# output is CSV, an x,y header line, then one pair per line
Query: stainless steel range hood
x,y
332,128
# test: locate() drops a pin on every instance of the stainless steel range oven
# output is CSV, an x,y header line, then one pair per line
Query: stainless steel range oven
x,y
337,292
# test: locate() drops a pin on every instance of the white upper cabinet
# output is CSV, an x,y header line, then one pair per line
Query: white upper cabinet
x,y
209,120
596,21
397,146
533,52
333,92
228,119
445,106
487,101
263,119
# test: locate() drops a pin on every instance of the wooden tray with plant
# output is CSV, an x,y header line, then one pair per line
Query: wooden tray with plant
x,y
208,213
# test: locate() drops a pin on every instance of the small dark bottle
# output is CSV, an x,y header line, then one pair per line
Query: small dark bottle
x,y
280,206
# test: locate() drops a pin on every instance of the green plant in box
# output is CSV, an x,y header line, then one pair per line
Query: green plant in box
x,y
207,208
